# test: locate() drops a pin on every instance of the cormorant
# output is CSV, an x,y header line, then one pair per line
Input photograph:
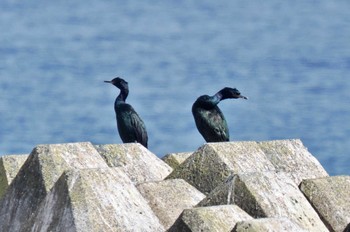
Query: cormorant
x,y
209,119
131,128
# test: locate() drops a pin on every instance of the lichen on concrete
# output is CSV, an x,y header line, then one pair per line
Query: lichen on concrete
x,y
138,163
125,187
174,194
9,167
175,159
213,163
96,200
278,224
277,195
330,196
207,219
39,173
234,191
292,157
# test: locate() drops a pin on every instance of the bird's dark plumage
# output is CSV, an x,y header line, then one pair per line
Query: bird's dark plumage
x,y
131,128
209,119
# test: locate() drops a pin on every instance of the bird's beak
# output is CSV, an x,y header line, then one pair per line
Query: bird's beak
x,y
240,96
108,81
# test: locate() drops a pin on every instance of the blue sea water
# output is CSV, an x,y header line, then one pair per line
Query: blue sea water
x,y
291,58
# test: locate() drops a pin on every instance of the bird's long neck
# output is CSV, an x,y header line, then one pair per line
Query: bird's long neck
x,y
218,97
120,100
207,102
122,95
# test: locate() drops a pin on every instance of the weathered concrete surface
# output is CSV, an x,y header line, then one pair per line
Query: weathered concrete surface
x,y
9,167
212,163
268,224
175,159
330,196
267,194
210,219
292,156
70,187
223,194
138,163
95,200
43,167
169,198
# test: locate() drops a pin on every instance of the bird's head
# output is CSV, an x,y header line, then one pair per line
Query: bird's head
x,y
119,83
228,92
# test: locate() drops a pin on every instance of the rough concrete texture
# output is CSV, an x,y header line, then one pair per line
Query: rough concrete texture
x,y
268,224
175,159
330,196
74,187
210,219
292,156
95,200
223,194
9,167
267,194
43,167
212,163
138,163
175,194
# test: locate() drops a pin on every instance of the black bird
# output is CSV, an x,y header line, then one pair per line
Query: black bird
x,y
209,119
131,128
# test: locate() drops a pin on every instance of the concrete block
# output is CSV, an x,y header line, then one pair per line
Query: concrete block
x,y
268,224
43,167
169,198
138,163
213,163
210,219
74,187
267,194
292,157
94,200
9,167
175,159
223,194
330,196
